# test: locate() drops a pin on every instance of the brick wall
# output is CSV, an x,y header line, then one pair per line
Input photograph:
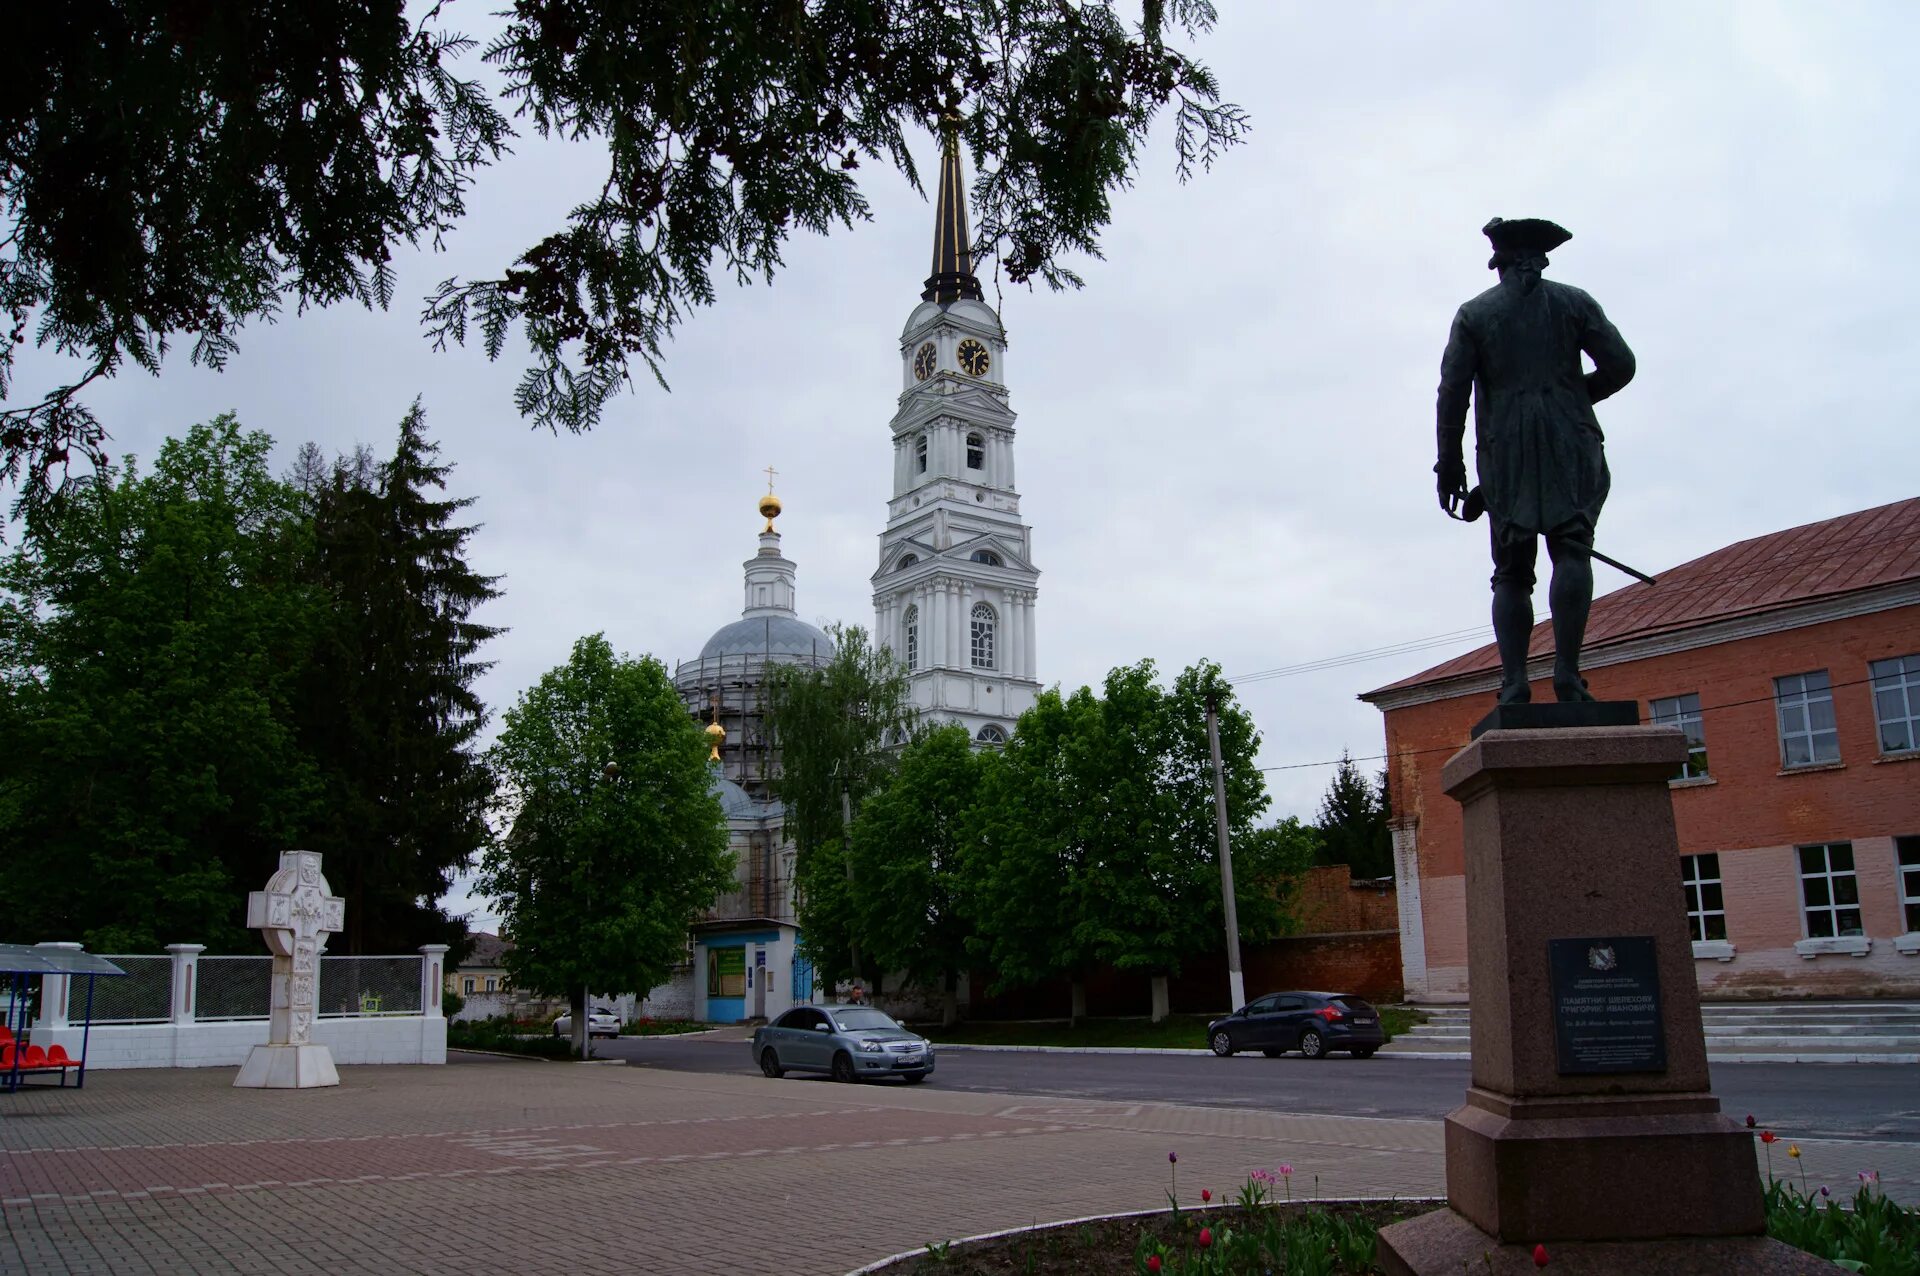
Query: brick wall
x,y
1749,812
1329,902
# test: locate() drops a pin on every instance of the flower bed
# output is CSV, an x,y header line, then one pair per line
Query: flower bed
x,y
1265,1231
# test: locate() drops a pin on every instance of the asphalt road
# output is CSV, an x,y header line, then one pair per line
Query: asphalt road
x,y
1840,1101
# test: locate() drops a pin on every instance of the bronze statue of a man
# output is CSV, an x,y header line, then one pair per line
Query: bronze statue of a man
x,y
1515,350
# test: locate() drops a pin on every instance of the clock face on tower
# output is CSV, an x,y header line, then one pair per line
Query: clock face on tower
x,y
974,358
923,361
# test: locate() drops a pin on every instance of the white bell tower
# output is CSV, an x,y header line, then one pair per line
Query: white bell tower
x,y
954,596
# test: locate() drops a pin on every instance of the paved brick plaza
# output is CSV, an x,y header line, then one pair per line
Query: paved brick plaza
x,y
500,1165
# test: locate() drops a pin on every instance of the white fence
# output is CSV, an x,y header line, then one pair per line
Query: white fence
x,y
186,1010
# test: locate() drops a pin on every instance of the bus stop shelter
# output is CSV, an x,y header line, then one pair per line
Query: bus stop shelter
x,y
60,970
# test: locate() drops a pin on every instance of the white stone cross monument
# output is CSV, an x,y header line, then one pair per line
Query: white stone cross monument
x,y
295,914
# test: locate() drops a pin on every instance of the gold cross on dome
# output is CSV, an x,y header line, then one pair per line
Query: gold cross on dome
x,y
770,473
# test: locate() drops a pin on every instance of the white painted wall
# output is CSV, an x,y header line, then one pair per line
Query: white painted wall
x,y
390,1039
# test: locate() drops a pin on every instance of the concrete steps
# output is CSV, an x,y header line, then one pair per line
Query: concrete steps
x,y
1750,1032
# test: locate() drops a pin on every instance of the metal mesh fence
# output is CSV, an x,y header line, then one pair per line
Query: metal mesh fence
x,y
369,986
232,987
145,995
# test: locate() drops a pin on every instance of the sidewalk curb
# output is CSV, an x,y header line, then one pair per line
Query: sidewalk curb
x,y
1712,1057
1390,1053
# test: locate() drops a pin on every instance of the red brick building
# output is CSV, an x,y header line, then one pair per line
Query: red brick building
x,y
1793,663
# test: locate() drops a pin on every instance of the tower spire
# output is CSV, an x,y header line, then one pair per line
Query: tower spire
x,y
952,276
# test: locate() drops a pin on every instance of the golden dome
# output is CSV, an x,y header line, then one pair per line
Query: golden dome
x,y
769,509
715,734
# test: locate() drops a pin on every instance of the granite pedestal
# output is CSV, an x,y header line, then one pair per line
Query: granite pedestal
x,y
1594,1133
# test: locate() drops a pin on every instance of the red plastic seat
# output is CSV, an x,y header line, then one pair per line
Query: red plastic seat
x,y
6,1036
34,1058
6,1058
57,1057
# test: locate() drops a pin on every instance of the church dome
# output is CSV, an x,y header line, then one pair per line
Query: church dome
x,y
768,635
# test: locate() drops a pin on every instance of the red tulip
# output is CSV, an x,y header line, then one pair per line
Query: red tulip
x,y
1539,1255
1749,1120
1153,1262
1206,1237
1205,1195
1767,1136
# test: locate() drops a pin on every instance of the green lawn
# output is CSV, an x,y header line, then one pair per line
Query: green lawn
x,y
1188,1032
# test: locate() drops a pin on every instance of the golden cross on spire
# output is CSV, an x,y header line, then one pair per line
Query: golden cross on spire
x,y
770,473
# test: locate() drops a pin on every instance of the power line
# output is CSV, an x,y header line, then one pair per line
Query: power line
x,y
1454,748
1360,657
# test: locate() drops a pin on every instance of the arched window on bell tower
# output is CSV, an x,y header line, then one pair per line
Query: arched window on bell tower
x,y
911,639
920,454
976,451
982,636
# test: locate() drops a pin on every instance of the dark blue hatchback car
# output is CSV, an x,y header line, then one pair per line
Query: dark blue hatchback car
x,y
1314,1023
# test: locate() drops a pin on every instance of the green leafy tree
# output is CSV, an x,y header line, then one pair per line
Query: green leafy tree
x,y
1098,844
282,154
834,729
388,711
910,848
617,841
1025,877
1268,864
151,630
1353,823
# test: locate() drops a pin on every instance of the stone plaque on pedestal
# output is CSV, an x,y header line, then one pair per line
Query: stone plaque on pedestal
x,y
1606,1005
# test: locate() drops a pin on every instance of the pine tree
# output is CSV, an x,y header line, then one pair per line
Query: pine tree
x,y
391,716
1353,823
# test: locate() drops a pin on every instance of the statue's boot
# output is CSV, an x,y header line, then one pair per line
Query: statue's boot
x,y
1571,596
1512,631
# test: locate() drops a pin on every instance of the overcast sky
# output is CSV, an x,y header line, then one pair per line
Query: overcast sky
x,y
1226,439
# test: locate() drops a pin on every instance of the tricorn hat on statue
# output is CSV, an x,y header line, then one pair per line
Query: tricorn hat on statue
x,y
1524,236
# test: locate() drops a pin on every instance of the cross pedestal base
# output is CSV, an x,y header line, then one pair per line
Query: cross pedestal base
x,y
287,1068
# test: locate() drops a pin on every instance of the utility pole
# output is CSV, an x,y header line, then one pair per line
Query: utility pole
x,y
1235,980
846,862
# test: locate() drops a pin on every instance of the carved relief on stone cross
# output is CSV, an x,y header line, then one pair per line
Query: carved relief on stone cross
x,y
295,914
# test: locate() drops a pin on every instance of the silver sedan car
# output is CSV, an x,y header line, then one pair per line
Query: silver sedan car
x,y
849,1043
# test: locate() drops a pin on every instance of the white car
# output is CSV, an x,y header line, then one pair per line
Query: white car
x,y
600,1023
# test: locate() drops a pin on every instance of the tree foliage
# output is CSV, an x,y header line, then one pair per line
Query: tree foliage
x,y
203,667
388,710
150,638
834,728
1353,823
281,153
911,849
616,839
1098,843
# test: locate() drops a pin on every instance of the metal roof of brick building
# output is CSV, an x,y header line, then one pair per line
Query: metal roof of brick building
x,y
1844,555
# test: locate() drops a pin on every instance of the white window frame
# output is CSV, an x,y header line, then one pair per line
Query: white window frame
x,y
1798,699
910,636
1906,863
493,983
920,453
991,733
1896,701
1832,883
976,450
466,986
982,621
1683,711
1697,873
